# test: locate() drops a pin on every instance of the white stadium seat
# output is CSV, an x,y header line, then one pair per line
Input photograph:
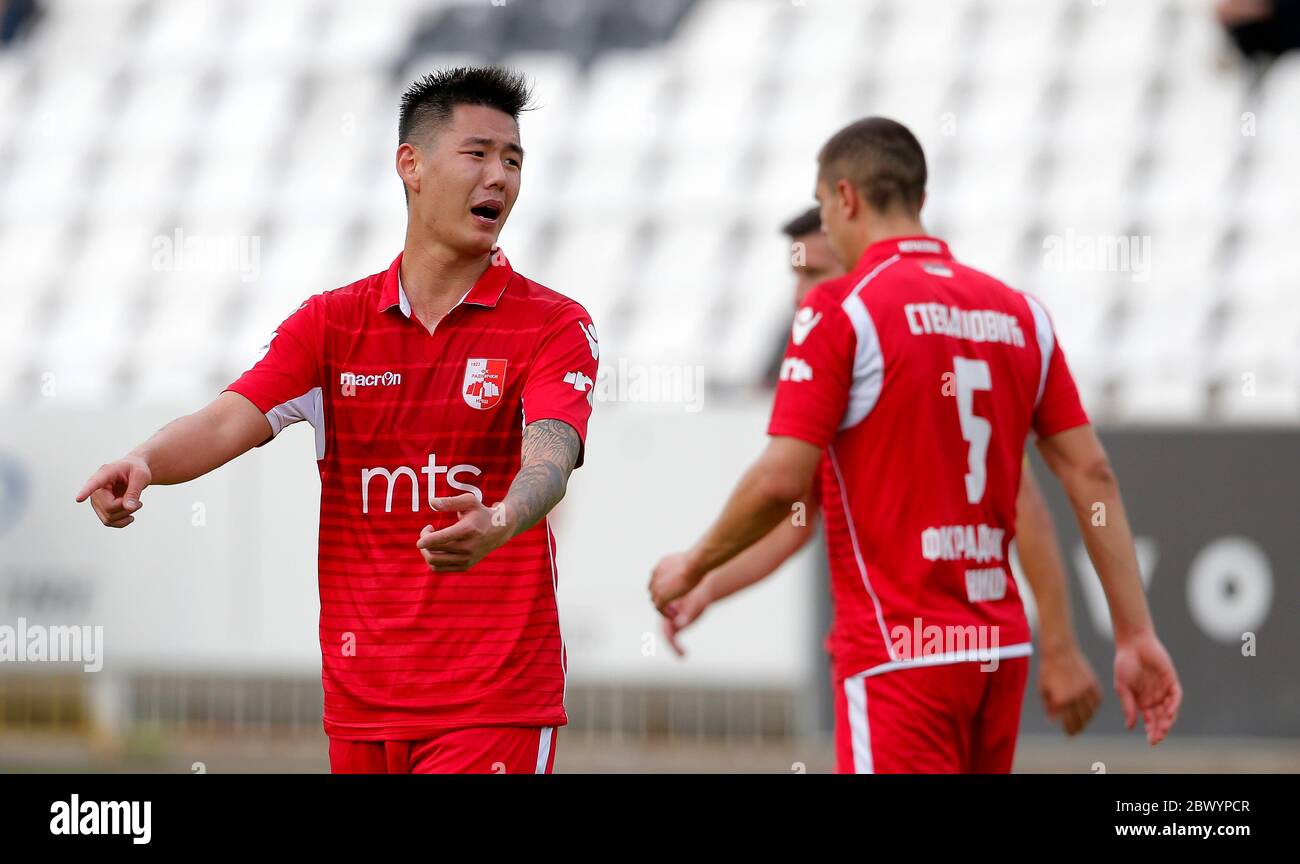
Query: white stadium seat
x,y
657,178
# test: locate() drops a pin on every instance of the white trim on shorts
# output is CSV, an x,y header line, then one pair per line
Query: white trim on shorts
x,y
544,748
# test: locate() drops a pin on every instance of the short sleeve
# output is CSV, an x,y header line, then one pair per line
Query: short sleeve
x,y
816,377
1057,407
562,376
285,384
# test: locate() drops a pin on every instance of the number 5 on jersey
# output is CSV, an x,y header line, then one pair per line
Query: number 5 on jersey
x,y
973,375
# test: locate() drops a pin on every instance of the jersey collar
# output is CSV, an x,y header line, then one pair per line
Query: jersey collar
x,y
486,292
919,246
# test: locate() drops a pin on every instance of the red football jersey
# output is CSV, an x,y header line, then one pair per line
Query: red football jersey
x,y
921,377
402,416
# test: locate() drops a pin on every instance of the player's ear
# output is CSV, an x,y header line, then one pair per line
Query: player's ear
x,y
846,198
408,167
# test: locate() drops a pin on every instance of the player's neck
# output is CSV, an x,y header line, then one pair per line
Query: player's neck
x,y
435,277
888,228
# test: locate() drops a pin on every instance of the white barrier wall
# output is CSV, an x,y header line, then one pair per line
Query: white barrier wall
x,y
219,575
654,479
215,574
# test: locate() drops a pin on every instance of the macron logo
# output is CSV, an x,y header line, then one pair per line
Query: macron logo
x,y
387,379
804,321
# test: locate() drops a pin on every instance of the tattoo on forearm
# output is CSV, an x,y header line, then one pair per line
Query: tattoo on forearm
x,y
549,452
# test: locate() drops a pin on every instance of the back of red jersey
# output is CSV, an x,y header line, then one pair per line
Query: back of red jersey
x,y
922,378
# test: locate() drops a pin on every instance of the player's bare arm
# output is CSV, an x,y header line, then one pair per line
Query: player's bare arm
x,y
550,452
1145,678
763,497
748,568
186,448
1066,682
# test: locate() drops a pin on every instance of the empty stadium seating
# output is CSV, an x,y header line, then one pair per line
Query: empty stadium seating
x,y
658,174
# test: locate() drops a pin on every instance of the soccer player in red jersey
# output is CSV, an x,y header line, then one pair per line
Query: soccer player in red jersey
x,y
919,379
450,398
1066,682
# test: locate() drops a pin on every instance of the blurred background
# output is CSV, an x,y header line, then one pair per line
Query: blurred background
x,y
176,177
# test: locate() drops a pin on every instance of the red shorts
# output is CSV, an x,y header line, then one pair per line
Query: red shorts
x,y
941,719
477,750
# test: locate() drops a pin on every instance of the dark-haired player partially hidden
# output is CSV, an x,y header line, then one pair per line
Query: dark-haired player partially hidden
x,y
442,385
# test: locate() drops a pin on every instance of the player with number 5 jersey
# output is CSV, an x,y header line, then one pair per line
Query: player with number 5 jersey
x,y
911,384
922,378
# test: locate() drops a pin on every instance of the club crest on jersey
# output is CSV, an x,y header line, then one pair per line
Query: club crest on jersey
x,y
485,380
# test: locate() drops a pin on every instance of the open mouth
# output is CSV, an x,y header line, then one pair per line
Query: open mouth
x,y
487,212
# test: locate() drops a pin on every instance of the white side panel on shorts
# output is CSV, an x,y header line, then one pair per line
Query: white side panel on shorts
x,y
855,692
544,749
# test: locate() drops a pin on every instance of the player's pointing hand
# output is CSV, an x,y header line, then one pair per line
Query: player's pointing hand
x,y
114,490
478,530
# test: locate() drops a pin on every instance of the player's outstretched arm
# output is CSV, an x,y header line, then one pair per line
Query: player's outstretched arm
x,y
550,452
184,449
764,496
753,565
1145,678
1066,682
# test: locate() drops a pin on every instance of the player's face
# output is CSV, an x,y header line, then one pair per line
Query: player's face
x,y
812,261
469,178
